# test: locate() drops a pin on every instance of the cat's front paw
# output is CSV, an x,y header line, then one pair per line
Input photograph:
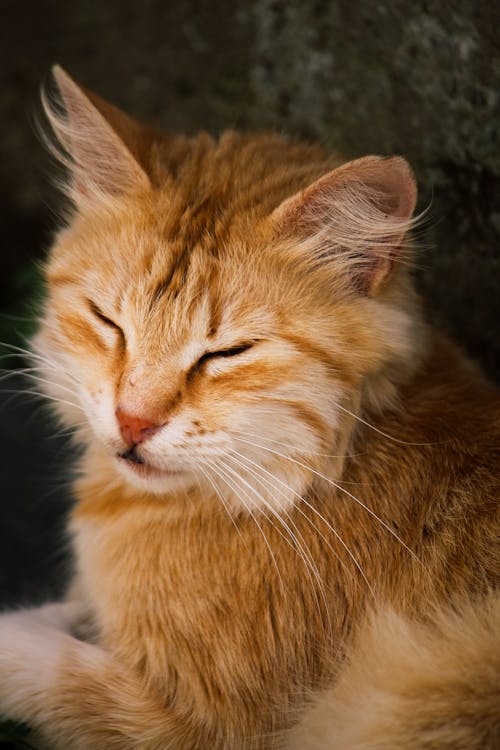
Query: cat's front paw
x,y
29,652
63,616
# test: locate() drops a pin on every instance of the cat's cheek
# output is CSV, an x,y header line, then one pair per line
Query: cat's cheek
x,y
99,409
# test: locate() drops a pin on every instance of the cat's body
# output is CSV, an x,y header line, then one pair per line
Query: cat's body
x,y
328,470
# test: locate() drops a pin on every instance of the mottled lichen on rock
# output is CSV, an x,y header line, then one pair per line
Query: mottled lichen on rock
x,y
290,73
386,74
460,112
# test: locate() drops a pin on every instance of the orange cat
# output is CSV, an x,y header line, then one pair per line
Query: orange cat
x,y
287,522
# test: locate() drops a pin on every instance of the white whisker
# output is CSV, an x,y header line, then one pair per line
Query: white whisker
x,y
337,536
219,494
339,487
301,546
304,554
42,396
28,373
69,431
19,351
299,510
380,432
223,475
287,445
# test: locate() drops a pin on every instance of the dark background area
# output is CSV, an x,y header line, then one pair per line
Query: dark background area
x,y
421,79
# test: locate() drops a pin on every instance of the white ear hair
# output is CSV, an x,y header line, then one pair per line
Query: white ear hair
x,y
100,162
355,217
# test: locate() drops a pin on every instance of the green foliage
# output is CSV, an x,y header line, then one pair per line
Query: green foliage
x,y
18,317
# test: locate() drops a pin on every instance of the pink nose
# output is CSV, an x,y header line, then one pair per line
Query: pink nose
x,y
135,429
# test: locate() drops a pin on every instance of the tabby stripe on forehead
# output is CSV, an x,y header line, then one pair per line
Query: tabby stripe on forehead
x,y
177,273
197,222
215,314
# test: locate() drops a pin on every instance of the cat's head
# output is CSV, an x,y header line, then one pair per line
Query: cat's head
x,y
221,311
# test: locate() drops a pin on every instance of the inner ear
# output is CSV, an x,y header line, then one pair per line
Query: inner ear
x,y
355,218
107,148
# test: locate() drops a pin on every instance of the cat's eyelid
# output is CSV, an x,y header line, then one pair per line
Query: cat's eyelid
x,y
230,351
97,312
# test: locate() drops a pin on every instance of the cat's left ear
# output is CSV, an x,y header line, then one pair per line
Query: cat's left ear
x,y
354,220
107,149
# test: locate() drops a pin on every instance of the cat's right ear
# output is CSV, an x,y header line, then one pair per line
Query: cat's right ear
x,y
104,150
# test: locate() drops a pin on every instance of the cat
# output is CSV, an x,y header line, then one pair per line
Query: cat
x,y
286,527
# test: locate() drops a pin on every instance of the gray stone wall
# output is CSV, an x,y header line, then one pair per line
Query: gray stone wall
x,y
414,77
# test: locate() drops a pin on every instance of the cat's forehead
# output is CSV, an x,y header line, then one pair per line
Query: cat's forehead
x,y
162,258
165,283
196,292
184,327
209,196
213,182
199,234
191,309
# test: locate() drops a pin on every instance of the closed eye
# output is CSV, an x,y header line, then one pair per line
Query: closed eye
x,y
233,351
103,318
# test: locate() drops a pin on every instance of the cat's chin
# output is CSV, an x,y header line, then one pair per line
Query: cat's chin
x,y
149,478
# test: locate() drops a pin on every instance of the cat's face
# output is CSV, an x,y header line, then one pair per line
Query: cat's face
x,y
218,350
192,342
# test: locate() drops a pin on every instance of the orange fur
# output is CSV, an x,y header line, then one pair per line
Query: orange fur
x,y
321,455
420,686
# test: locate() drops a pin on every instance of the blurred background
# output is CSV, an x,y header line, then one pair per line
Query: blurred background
x,y
419,78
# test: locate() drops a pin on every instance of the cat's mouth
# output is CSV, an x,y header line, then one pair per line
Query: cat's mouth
x,y
140,466
132,456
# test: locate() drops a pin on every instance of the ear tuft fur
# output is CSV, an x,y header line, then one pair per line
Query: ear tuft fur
x,y
94,141
355,217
